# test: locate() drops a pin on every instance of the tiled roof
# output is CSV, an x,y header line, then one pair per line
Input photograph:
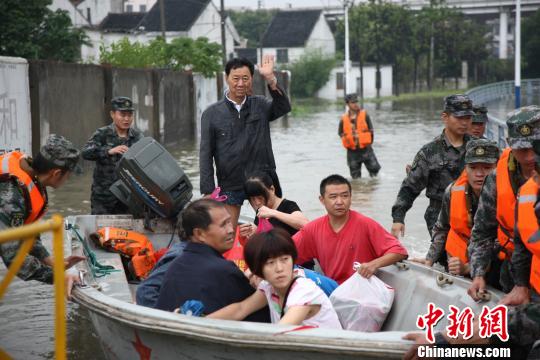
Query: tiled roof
x,y
290,28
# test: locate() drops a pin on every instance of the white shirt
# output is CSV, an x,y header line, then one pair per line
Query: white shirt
x,y
303,292
237,106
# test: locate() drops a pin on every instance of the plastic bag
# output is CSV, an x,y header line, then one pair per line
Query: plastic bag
x,y
264,225
362,304
236,253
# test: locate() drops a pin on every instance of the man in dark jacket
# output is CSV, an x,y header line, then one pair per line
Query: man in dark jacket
x,y
235,133
201,273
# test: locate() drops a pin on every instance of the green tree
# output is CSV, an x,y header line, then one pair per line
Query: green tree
x,y
531,45
31,30
198,55
309,73
251,24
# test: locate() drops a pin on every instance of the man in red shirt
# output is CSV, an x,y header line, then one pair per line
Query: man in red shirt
x,y
344,236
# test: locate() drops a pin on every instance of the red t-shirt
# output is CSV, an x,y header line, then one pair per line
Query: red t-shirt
x,y
362,239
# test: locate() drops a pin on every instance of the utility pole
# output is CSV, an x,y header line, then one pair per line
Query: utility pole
x,y
223,40
517,56
347,57
162,18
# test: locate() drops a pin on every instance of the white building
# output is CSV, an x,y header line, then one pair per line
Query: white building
x,y
291,33
334,88
87,13
192,19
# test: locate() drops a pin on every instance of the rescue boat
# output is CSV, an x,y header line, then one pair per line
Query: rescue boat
x,y
130,331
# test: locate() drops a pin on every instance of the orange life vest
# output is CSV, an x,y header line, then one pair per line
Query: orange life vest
x,y
460,224
527,225
132,244
506,204
362,131
36,201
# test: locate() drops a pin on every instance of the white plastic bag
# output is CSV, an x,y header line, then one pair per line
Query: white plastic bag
x,y
362,304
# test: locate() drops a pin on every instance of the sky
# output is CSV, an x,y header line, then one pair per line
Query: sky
x,y
282,4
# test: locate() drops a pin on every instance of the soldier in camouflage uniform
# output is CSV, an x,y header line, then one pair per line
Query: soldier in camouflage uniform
x,y
479,122
106,147
356,154
480,160
436,165
523,127
51,167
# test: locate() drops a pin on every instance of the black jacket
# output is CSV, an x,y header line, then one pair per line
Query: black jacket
x,y
239,143
201,273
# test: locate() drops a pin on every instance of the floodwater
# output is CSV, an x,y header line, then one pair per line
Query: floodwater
x,y
307,148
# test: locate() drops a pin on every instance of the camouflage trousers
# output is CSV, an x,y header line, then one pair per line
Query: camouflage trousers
x,y
432,213
366,156
104,202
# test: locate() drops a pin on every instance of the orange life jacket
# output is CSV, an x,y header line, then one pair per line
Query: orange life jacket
x,y
506,204
35,201
460,224
132,244
527,225
362,131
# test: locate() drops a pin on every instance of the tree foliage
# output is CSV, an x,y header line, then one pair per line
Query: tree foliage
x,y
251,24
309,73
29,29
383,32
198,55
531,45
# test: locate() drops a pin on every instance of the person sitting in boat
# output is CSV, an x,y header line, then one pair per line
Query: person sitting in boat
x,y
201,273
452,230
23,183
292,299
282,213
148,290
345,236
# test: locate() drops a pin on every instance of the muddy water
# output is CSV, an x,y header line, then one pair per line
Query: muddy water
x,y
306,148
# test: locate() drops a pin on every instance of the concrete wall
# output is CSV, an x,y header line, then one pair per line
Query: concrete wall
x,y
67,99
139,86
15,121
176,107
73,100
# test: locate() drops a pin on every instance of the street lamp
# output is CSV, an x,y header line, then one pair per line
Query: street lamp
x,y
347,65
517,56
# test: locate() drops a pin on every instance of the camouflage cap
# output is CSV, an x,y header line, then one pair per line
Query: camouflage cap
x,y
481,151
351,98
122,103
61,152
523,127
458,105
480,114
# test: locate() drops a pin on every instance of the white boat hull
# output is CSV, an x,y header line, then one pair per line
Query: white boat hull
x,y
129,331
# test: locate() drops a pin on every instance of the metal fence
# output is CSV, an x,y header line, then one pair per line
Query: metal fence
x,y
482,95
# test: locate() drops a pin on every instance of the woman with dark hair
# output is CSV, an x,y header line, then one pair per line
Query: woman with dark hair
x,y
292,299
281,213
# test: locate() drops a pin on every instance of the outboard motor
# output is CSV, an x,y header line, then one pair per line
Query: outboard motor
x,y
151,182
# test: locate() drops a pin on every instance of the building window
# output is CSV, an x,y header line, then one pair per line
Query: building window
x,y
142,8
340,81
129,8
282,56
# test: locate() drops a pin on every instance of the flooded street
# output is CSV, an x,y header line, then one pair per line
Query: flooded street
x,y
307,148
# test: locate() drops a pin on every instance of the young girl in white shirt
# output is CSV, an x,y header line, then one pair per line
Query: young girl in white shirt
x,y
292,299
